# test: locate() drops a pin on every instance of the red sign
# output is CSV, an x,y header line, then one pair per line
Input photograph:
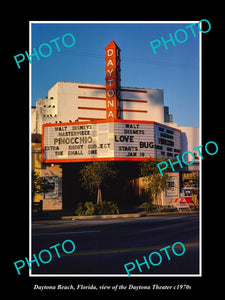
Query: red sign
x,y
112,68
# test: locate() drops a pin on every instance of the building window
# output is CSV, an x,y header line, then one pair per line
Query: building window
x,y
169,131
169,154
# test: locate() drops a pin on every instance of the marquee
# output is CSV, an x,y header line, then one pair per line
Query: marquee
x,y
119,140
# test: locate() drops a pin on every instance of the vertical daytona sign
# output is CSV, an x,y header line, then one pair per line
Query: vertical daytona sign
x,y
112,68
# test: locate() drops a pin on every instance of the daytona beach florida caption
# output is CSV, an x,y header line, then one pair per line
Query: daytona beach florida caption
x,y
116,287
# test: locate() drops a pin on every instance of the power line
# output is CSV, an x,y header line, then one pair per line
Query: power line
x,y
129,59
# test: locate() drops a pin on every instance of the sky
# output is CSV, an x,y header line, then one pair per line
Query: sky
x,y
174,70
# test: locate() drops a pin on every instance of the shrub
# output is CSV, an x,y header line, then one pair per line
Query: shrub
x,y
80,210
86,209
89,208
146,206
107,208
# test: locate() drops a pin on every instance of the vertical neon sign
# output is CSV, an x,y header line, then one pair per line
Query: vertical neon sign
x,y
112,68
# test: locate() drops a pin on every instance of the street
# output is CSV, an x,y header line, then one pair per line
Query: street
x,y
104,246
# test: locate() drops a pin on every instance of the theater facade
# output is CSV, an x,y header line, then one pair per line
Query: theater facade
x,y
80,122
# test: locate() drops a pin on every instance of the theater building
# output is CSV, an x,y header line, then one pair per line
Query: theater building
x,y
81,122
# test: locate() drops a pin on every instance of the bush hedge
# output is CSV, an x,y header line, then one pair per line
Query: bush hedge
x,y
146,206
89,208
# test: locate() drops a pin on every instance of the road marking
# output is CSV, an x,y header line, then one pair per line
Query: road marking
x,y
106,251
67,232
109,251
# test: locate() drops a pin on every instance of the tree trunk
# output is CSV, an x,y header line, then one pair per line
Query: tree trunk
x,y
99,196
157,201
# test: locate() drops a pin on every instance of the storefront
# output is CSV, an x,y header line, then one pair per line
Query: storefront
x,y
189,183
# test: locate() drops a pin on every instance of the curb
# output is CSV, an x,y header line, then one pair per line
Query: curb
x,y
135,215
97,217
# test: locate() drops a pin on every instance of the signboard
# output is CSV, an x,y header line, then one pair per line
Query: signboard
x,y
105,140
172,186
112,76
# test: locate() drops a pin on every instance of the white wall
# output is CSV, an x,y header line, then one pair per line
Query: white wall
x,y
190,140
85,101
33,120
